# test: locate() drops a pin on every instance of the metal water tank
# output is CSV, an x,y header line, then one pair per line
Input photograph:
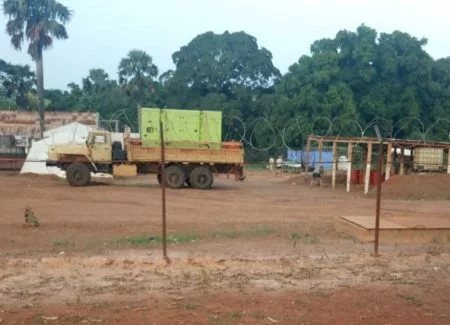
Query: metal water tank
x,y
429,159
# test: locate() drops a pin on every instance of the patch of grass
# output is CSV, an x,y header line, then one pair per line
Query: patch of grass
x,y
435,250
62,244
225,234
188,306
30,219
37,319
234,315
137,240
256,167
214,319
321,293
257,231
411,300
182,238
305,238
143,240
351,238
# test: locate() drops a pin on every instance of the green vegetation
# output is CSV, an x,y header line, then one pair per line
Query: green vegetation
x,y
143,240
62,244
305,238
183,238
411,300
350,79
258,231
30,219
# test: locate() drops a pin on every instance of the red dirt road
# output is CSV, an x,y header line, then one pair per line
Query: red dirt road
x,y
266,251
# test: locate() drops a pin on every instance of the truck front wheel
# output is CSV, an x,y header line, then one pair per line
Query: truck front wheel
x,y
78,174
201,178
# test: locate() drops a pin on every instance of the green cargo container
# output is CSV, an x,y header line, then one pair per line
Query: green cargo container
x,y
182,128
211,127
149,120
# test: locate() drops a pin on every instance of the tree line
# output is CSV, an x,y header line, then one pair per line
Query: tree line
x,y
350,79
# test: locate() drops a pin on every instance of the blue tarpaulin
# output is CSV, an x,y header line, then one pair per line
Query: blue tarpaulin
x,y
299,156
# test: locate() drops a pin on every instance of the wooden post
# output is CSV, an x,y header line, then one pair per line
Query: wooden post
x,y
388,161
320,152
448,161
349,165
402,161
139,119
378,205
308,150
334,167
368,165
163,192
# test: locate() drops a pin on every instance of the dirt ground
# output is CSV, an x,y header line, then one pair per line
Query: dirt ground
x,y
269,250
427,186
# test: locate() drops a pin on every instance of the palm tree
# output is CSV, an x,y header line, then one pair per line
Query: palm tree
x,y
39,22
136,74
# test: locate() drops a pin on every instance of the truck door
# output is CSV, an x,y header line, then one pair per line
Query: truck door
x,y
100,147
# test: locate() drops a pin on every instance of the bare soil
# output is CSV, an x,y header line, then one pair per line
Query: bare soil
x,y
269,250
426,186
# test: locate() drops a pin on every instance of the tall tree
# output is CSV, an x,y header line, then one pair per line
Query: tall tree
x,y
17,82
103,95
136,74
39,22
221,63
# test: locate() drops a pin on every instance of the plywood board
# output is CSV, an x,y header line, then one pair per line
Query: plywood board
x,y
368,222
392,223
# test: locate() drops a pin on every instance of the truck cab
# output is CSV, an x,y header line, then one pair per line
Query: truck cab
x,y
99,147
79,160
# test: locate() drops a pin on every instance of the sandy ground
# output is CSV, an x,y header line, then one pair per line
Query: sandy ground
x,y
269,250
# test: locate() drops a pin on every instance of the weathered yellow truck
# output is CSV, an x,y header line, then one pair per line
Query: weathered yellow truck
x,y
191,163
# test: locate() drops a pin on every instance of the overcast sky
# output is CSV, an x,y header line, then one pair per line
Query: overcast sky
x,y
103,31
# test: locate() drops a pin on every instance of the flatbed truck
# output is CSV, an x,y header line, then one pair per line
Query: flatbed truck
x,y
184,166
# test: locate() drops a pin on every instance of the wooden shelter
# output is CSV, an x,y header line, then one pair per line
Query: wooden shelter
x,y
369,143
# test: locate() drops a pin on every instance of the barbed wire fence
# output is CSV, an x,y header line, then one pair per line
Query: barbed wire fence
x,y
263,138
293,134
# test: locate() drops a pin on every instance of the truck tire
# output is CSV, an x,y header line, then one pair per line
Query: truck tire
x,y
175,177
201,178
78,174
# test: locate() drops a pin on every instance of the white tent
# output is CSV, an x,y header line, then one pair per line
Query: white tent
x,y
38,154
70,130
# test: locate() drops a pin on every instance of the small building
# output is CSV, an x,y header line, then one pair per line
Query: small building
x,y
26,124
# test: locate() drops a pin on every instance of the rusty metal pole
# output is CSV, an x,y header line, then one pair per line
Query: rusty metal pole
x,y
163,191
378,204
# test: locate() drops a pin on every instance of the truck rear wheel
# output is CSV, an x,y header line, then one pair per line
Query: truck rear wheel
x,y
175,177
201,178
78,174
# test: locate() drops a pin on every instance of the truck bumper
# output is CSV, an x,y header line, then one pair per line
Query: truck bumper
x,y
51,164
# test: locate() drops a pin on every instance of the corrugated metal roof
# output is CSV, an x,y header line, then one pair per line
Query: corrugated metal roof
x,y
27,123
